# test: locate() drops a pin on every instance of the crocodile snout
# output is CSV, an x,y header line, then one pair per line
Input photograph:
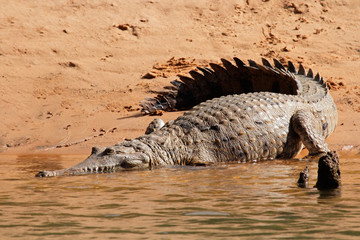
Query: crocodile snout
x,y
46,174
40,174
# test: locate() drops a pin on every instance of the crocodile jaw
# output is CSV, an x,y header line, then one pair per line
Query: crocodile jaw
x,y
104,160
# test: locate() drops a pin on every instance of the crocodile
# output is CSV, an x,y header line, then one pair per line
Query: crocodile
x,y
238,113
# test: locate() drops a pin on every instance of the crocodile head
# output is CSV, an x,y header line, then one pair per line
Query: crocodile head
x,y
109,159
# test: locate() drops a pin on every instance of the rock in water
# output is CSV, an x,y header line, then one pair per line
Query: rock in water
x,y
328,171
303,178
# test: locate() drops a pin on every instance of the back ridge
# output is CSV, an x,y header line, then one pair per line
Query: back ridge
x,y
207,83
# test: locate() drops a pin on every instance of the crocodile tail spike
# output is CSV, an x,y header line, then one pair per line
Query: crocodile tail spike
x,y
278,65
204,70
291,67
317,77
218,80
207,72
301,70
171,87
238,62
228,65
266,63
176,83
322,80
310,73
324,84
221,75
252,63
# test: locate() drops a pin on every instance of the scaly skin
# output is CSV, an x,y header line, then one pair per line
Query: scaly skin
x,y
251,126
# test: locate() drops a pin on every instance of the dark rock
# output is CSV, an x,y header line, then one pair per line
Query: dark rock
x,y
303,178
328,172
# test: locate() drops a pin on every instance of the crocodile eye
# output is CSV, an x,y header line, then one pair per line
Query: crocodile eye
x,y
109,151
95,150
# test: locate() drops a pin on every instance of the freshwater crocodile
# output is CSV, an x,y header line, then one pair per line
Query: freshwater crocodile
x,y
239,113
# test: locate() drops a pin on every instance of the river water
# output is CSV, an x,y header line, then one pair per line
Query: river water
x,y
248,201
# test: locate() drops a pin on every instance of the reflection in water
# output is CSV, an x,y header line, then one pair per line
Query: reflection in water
x,y
32,163
331,193
244,200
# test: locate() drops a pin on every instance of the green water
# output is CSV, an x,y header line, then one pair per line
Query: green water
x,y
247,201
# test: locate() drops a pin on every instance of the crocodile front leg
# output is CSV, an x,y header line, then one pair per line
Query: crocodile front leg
x,y
306,125
309,130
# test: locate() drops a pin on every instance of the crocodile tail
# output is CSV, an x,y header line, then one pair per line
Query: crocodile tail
x,y
219,80
310,81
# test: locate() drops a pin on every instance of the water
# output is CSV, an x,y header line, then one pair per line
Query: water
x,y
248,201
